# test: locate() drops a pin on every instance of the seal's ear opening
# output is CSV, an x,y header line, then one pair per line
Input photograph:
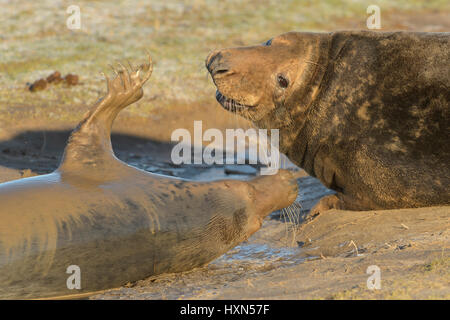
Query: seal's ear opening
x,y
90,142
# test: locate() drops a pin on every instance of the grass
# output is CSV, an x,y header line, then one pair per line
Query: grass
x,y
34,41
440,265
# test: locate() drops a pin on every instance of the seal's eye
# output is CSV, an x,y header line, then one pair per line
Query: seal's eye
x,y
282,81
267,43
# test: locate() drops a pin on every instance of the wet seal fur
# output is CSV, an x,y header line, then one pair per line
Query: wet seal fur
x,y
119,224
365,112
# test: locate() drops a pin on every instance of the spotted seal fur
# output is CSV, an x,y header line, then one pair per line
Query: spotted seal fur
x,y
365,112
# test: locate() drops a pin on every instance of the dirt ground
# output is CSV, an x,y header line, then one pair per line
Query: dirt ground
x,y
322,258
413,262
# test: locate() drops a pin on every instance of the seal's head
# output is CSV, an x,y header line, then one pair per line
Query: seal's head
x,y
270,193
267,81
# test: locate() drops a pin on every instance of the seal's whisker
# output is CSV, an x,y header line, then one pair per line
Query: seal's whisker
x,y
283,216
314,63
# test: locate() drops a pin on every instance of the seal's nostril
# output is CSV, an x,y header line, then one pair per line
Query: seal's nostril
x,y
218,71
216,64
213,60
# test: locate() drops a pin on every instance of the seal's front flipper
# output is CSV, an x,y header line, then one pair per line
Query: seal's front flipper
x,y
89,145
326,203
339,201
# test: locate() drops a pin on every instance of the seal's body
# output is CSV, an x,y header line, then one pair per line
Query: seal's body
x,y
108,223
365,112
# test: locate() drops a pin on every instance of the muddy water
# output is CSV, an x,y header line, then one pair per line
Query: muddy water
x,y
252,254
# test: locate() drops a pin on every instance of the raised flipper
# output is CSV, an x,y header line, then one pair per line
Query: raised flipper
x,y
89,145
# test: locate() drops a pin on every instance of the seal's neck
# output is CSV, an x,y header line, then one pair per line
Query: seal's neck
x,y
312,135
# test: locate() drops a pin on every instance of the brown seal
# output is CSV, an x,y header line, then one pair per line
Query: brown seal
x,y
113,223
365,112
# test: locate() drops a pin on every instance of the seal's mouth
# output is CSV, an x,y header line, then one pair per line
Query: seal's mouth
x,y
230,104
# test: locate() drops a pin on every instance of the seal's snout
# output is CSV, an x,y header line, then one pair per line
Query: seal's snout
x,y
271,193
275,192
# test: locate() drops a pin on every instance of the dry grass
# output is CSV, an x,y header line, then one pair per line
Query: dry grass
x,y
35,41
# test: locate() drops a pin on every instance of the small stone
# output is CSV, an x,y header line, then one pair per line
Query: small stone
x,y
27,173
71,79
55,78
38,85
